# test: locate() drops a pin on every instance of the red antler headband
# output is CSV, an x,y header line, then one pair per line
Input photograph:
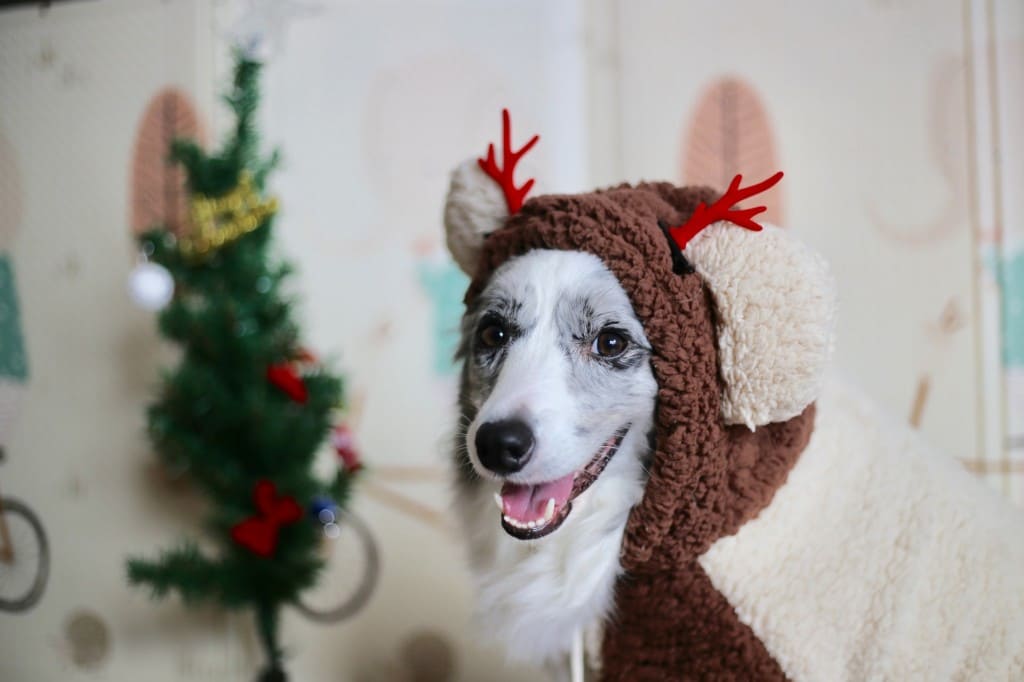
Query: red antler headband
x,y
509,157
722,210
678,236
704,215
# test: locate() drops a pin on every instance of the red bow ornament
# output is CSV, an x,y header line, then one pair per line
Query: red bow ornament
x,y
258,533
284,377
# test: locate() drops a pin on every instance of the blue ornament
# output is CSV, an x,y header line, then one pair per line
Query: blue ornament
x,y
323,509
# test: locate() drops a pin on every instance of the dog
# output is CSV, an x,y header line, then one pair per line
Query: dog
x,y
651,455
557,406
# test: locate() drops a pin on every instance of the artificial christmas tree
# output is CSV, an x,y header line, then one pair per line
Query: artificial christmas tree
x,y
247,407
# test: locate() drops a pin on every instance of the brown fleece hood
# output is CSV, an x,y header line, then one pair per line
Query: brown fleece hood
x,y
707,478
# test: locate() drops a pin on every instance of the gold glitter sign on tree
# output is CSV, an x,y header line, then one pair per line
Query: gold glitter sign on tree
x,y
216,221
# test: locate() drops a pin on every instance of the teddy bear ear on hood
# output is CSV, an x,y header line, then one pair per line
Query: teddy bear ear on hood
x,y
474,208
774,299
481,197
775,303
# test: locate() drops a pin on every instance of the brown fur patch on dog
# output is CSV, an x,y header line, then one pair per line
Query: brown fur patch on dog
x,y
706,478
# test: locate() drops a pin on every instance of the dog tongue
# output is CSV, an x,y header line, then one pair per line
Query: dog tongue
x,y
529,502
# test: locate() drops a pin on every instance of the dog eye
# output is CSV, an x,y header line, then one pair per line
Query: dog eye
x,y
609,344
493,335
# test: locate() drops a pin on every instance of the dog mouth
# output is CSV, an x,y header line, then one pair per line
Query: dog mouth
x,y
532,510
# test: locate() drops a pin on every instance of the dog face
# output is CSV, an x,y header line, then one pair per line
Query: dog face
x,y
556,378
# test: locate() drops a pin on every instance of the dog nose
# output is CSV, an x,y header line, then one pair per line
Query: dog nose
x,y
504,447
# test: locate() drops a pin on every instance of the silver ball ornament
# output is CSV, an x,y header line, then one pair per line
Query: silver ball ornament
x,y
151,286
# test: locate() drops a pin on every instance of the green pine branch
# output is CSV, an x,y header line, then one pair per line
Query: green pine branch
x,y
217,173
184,570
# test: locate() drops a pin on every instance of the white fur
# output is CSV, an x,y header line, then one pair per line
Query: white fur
x,y
879,560
474,207
775,306
532,596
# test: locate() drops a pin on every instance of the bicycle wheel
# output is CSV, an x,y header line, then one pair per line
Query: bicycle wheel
x,y
23,579
322,604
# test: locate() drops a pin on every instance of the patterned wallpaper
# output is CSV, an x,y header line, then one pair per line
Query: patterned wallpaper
x,y
897,123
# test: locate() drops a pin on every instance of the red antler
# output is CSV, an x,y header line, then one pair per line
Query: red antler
x,y
504,176
722,210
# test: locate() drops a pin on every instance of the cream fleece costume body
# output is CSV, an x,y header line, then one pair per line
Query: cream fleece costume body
x,y
784,533
878,560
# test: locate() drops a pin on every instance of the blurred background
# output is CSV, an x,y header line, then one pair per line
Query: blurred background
x,y
897,122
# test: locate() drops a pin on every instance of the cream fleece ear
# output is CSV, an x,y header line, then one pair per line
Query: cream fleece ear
x,y
775,301
475,207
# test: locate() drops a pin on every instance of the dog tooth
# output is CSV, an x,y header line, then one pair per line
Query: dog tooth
x,y
549,511
500,502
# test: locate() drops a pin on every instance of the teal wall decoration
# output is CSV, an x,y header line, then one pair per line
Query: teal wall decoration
x,y
13,364
1013,310
446,285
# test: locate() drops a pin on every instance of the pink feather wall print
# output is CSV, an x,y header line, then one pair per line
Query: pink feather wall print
x,y
939,218
729,133
157,188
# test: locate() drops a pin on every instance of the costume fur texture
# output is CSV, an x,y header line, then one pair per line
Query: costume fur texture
x,y
752,525
879,559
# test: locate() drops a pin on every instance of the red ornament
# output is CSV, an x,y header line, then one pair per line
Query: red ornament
x,y
344,445
284,377
258,533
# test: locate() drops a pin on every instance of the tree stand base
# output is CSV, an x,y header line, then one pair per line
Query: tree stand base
x,y
272,673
